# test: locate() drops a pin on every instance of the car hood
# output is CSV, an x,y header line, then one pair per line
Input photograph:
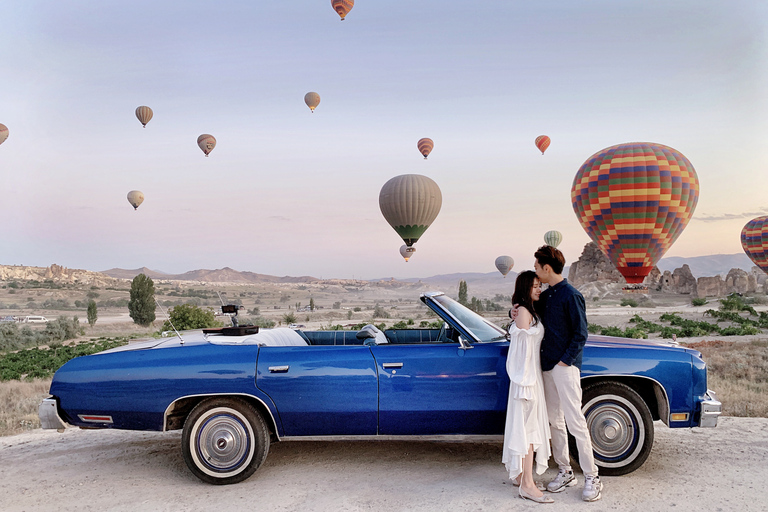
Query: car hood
x,y
597,340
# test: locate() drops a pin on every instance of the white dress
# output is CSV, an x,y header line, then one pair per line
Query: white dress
x,y
527,421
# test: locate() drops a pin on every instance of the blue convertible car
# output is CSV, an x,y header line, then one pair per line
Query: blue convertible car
x,y
234,391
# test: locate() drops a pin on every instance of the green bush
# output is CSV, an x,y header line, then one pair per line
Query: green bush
x,y
188,316
629,302
698,302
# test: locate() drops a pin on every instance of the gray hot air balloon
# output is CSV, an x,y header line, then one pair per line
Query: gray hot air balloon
x,y
143,114
553,238
3,133
206,143
312,99
505,264
410,203
135,197
406,252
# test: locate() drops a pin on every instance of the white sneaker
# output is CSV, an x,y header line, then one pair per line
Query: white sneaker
x,y
592,488
561,481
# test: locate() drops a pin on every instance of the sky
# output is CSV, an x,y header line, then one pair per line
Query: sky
x,y
290,192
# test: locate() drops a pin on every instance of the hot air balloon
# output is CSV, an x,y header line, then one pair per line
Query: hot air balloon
x,y
754,241
505,264
342,7
312,99
634,200
135,197
406,252
553,238
410,203
425,147
144,114
3,133
206,143
542,142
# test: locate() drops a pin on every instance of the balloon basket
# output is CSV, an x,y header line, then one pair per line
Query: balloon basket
x,y
636,288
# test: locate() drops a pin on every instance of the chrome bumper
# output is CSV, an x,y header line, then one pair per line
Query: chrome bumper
x,y
49,415
710,410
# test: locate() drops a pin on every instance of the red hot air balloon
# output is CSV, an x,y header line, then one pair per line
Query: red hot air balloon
x,y
542,142
754,241
634,200
342,7
425,146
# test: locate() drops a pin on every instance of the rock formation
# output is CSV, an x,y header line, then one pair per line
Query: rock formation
x,y
593,266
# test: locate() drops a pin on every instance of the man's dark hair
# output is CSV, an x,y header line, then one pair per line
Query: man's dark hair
x,y
548,255
522,294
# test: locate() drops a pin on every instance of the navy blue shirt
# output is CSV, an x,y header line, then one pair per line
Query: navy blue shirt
x,y
564,314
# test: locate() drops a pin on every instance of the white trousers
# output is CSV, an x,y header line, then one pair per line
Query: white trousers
x,y
562,390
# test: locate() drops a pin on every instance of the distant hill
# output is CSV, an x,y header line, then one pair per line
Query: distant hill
x,y
223,275
708,266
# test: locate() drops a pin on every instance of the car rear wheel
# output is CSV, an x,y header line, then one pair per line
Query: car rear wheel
x,y
224,440
620,425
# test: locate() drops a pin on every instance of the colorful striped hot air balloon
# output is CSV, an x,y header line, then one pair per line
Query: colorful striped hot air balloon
x,y
406,252
634,200
410,203
504,264
206,143
542,142
312,99
342,7
754,241
425,146
135,197
553,238
3,133
144,115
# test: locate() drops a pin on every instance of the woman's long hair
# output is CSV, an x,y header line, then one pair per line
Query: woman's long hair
x,y
522,295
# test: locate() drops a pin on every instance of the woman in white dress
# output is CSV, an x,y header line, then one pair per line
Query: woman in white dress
x,y
526,435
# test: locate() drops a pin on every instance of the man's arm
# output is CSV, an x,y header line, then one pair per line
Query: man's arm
x,y
577,318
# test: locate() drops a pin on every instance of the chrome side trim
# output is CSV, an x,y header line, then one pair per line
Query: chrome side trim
x,y
392,365
663,411
48,411
206,395
279,369
454,438
710,410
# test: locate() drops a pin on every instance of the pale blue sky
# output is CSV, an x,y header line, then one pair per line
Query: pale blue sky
x,y
287,192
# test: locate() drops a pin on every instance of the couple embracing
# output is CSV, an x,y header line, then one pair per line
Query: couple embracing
x,y
547,338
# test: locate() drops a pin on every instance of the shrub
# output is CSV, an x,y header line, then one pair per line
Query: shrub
x,y
190,316
629,302
289,318
698,302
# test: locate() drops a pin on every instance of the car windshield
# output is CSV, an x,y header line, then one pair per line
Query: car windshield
x,y
482,329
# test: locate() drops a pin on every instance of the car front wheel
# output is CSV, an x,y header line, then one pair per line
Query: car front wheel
x,y
224,440
620,425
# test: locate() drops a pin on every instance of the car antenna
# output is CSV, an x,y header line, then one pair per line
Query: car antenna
x,y
181,340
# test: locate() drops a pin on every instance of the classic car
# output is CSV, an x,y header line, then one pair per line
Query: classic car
x,y
236,390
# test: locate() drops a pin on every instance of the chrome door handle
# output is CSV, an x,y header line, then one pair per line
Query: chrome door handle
x,y
279,369
392,365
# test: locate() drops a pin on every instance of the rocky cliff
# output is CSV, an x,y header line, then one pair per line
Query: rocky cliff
x,y
57,274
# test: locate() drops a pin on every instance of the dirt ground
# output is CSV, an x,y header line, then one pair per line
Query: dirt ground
x,y
719,469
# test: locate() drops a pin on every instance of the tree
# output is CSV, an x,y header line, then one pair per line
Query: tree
x,y
92,312
190,316
463,292
311,304
141,306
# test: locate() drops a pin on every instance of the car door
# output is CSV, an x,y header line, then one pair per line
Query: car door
x,y
321,390
442,388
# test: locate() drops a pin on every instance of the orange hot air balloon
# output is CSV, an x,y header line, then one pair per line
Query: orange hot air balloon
x,y
425,146
342,7
634,200
206,143
754,241
542,142
144,115
3,133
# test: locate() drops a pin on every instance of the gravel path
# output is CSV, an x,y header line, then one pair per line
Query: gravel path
x,y
720,469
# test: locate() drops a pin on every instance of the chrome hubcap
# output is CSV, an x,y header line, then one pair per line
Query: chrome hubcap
x,y
223,442
612,430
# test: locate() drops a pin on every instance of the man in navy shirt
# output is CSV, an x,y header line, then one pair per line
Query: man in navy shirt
x,y
563,313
